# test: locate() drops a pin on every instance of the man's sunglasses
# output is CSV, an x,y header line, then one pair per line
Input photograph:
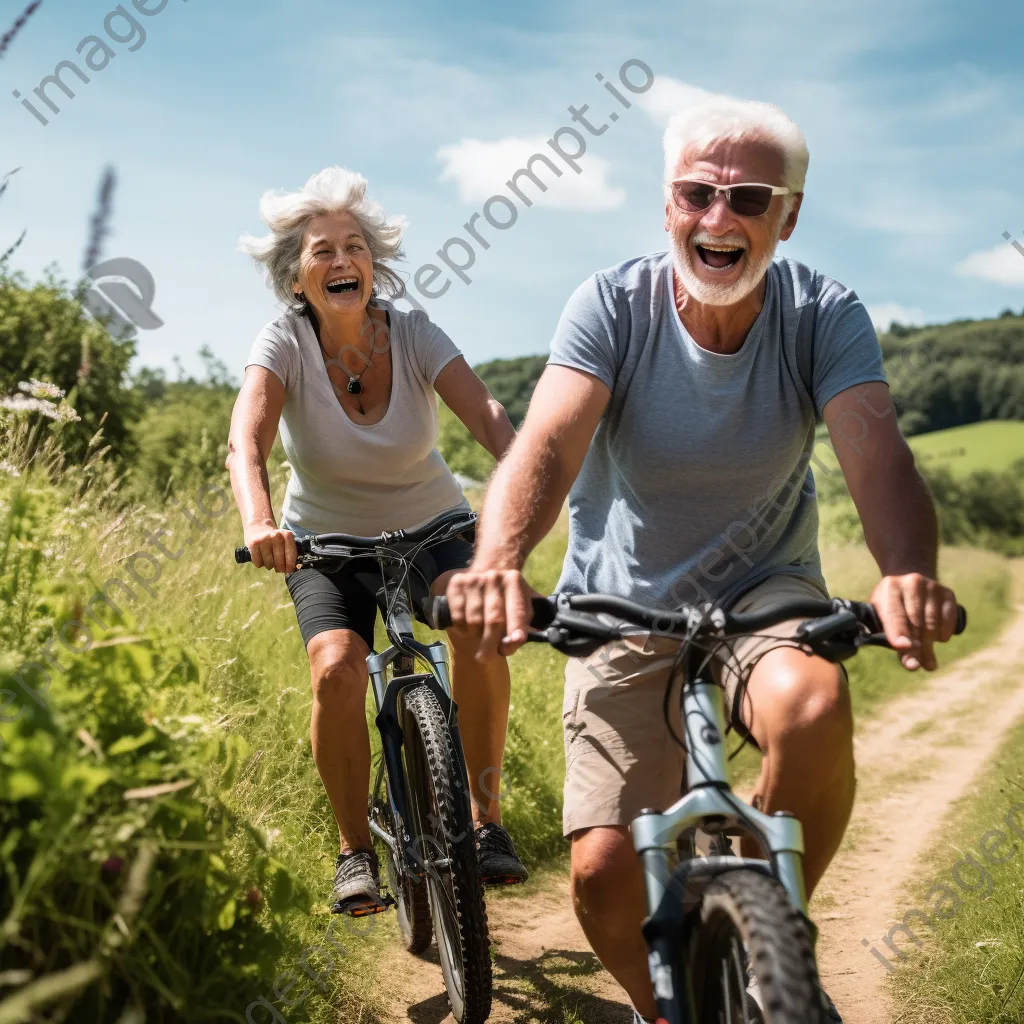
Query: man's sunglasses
x,y
750,199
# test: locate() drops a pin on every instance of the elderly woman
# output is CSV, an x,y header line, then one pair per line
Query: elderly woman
x,y
352,381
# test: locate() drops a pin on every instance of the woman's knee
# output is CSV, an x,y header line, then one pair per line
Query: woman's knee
x,y
338,671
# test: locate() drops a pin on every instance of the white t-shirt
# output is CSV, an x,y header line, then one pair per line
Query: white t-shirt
x,y
348,477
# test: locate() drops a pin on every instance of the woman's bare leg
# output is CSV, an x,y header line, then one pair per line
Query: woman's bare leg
x,y
338,731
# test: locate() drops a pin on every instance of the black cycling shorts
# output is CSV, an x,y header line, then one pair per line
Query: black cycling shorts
x,y
347,599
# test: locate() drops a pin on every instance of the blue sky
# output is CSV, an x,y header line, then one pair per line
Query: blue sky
x,y
913,111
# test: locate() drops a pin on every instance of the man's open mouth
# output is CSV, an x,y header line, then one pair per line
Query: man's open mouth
x,y
343,284
719,257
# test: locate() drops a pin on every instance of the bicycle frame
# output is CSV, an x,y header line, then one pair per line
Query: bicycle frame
x,y
710,804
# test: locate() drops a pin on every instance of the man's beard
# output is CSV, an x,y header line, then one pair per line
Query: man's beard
x,y
709,293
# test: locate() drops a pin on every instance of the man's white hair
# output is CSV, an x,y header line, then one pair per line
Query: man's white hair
x,y
723,118
332,190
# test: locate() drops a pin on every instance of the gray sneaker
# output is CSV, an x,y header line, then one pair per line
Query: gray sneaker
x,y
356,889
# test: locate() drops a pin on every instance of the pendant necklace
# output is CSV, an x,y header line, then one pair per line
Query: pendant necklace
x,y
354,387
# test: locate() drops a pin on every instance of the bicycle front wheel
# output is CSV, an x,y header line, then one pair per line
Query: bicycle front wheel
x,y
751,959
443,825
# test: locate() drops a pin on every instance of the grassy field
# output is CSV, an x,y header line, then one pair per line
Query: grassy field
x,y
994,445
971,970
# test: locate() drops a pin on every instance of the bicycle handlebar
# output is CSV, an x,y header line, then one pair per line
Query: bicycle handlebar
x,y
833,616
453,522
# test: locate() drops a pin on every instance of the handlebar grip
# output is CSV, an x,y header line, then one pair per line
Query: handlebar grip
x,y
242,556
437,615
870,618
436,612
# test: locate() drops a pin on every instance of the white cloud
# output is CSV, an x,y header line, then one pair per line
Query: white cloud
x,y
884,313
482,169
1002,264
668,96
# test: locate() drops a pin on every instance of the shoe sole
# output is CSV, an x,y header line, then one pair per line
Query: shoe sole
x,y
497,881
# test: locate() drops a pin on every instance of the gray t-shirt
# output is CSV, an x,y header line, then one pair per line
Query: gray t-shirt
x,y
348,477
697,484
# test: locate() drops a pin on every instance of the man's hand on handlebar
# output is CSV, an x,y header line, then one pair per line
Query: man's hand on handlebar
x,y
916,613
495,604
271,548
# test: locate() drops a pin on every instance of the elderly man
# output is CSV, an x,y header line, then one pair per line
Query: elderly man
x,y
679,404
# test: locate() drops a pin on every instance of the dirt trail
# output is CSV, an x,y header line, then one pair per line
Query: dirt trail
x,y
914,759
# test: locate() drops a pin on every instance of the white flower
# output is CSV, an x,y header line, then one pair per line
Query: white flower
x,y
66,414
40,388
9,468
22,403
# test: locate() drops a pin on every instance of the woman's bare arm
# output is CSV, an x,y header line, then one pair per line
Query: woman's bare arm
x,y
484,416
254,422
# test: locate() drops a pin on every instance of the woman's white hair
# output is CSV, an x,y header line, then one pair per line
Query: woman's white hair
x,y
723,118
333,190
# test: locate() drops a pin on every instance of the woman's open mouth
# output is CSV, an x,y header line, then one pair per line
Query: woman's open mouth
x,y
343,284
719,257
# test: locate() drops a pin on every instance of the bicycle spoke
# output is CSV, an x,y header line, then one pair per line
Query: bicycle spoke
x,y
725,992
741,979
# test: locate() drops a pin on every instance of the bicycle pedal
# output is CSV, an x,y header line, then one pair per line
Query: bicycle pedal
x,y
371,910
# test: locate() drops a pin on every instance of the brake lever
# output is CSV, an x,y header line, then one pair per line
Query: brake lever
x,y
873,640
834,637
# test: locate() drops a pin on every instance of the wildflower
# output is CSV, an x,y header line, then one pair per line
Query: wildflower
x,y
40,388
9,468
65,414
22,403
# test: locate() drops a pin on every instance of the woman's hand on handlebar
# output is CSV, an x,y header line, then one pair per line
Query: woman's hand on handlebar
x,y
916,613
271,548
493,603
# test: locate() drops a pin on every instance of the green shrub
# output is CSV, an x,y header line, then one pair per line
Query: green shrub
x,y
128,882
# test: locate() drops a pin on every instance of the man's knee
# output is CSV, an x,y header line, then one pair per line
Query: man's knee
x,y
602,860
800,697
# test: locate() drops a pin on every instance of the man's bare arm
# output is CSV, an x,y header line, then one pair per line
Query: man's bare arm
x,y
524,498
898,516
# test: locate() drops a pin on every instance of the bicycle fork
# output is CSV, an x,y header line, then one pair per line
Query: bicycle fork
x,y
710,804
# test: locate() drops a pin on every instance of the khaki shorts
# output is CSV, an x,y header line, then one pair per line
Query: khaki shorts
x,y
619,755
